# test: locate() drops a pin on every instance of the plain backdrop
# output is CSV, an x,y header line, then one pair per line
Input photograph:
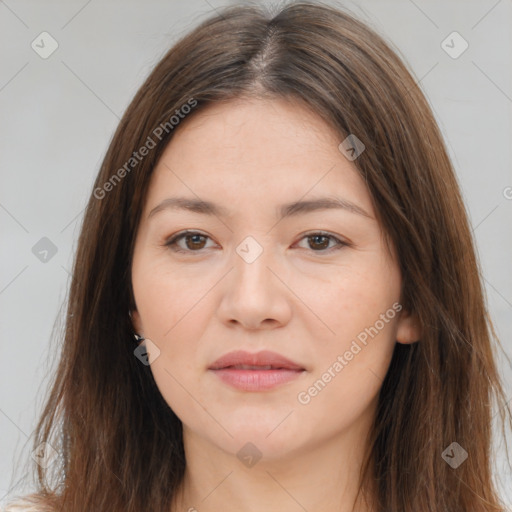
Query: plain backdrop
x,y
58,114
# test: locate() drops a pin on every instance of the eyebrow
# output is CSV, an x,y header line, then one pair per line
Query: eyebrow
x,y
285,210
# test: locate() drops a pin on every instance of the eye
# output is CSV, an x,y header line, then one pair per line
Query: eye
x,y
194,241
319,241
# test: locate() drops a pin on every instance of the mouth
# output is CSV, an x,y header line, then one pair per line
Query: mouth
x,y
255,372
252,367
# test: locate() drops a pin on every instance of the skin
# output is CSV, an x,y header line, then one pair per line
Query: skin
x,y
299,298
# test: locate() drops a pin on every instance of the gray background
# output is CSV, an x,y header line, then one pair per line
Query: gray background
x,y
58,115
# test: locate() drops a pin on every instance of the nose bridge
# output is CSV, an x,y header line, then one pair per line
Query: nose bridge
x,y
251,261
252,295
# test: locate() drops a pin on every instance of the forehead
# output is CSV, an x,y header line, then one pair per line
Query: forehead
x,y
252,152
274,130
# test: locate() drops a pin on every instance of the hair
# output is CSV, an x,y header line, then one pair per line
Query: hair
x,y
119,443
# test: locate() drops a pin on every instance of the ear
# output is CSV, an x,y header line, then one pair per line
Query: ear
x,y
409,329
136,322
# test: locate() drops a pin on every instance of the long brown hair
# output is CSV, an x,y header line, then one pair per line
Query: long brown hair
x,y
120,445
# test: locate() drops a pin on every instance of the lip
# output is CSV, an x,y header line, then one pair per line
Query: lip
x,y
268,371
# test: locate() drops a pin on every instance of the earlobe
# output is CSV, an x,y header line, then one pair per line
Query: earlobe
x,y
408,330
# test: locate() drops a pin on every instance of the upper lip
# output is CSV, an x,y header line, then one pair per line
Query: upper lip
x,y
263,358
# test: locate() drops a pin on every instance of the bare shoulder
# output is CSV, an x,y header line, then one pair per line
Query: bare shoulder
x,y
29,503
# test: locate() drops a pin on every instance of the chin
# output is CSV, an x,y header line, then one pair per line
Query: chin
x,y
274,437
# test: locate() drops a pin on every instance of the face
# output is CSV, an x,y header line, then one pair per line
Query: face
x,y
314,285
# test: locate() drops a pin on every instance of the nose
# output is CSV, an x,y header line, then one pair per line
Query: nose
x,y
254,294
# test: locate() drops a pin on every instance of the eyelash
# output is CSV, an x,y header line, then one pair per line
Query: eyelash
x,y
172,242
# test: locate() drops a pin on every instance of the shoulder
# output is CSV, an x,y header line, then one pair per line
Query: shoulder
x,y
29,503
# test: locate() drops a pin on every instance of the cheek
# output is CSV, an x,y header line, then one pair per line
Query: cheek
x,y
361,310
166,299
350,299
173,309
172,323
350,365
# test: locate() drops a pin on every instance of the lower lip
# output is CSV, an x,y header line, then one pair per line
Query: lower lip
x,y
256,380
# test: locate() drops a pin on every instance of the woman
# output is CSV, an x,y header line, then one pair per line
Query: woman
x,y
277,226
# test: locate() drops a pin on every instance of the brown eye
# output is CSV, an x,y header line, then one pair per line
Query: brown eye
x,y
320,242
194,242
